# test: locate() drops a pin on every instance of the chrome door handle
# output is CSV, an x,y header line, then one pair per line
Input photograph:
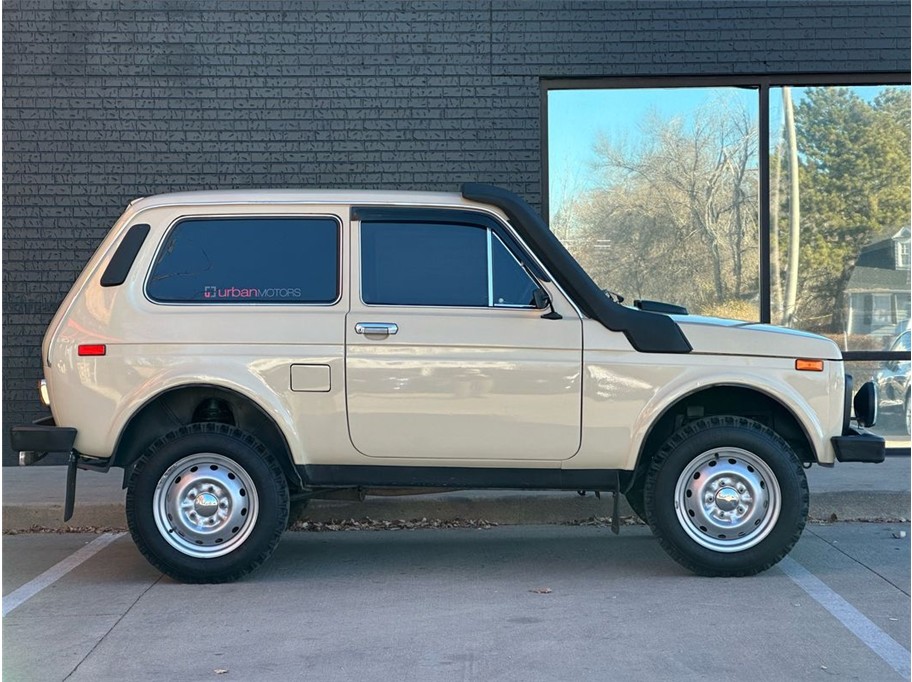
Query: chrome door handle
x,y
377,328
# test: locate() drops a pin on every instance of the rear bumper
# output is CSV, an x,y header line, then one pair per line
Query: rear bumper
x,y
859,446
39,438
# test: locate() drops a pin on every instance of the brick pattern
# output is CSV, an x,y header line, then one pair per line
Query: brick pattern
x,y
105,101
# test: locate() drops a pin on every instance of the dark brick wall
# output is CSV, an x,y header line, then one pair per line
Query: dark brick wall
x,y
107,101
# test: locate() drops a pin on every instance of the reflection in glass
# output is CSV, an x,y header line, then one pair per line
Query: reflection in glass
x,y
892,379
839,194
655,192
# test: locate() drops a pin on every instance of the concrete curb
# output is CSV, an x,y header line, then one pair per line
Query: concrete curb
x,y
501,507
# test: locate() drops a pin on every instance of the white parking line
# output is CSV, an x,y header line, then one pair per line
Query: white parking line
x,y
878,641
19,596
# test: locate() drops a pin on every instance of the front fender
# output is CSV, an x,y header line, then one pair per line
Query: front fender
x,y
812,414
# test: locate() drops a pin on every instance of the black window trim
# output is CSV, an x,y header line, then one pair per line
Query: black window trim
x,y
453,217
252,304
120,264
762,83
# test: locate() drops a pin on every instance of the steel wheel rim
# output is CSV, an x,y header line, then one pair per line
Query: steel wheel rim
x,y
205,505
727,499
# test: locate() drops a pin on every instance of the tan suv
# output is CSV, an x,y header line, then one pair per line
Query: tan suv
x,y
236,351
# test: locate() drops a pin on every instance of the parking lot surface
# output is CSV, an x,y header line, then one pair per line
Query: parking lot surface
x,y
505,603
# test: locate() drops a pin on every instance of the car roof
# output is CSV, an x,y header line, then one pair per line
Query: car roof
x,y
295,196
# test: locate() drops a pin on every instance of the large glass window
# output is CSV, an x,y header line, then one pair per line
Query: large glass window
x,y
839,212
248,260
892,380
655,192
668,192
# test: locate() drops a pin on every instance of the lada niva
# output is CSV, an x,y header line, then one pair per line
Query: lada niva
x,y
237,351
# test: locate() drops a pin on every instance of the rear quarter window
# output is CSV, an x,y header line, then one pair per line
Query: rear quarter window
x,y
248,260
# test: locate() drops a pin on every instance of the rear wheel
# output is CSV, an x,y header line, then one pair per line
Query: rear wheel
x,y
726,496
207,503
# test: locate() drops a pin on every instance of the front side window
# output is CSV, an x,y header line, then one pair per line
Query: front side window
x,y
512,285
437,264
248,260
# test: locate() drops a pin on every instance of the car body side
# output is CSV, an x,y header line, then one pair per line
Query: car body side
x,y
249,350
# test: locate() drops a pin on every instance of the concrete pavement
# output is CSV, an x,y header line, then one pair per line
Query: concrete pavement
x,y
33,496
507,603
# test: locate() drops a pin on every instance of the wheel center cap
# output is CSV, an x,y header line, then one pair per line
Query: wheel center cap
x,y
206,504
727,499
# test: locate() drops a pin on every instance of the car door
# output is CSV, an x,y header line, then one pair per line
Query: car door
x,y
447,355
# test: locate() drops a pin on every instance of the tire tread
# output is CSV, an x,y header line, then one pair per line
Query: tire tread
x,y
678,438
206,428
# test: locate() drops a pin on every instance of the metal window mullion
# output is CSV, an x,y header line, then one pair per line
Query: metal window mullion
x,y
490,271
766,280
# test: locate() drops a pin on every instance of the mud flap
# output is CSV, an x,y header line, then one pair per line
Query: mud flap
x,y
70,499
615,507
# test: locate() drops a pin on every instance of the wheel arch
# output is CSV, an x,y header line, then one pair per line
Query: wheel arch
x,y
729,399
180,405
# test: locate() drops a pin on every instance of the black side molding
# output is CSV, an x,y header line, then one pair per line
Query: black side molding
x,y
331,475
647,332
122,260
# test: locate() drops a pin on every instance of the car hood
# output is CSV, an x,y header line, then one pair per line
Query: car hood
x,y
735,337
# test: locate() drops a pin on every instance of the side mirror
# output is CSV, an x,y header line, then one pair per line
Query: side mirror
x,y
542,300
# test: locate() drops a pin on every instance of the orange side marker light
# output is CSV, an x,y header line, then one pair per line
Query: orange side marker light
x,y
804,365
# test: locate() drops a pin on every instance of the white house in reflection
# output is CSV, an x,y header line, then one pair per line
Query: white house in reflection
x,y
878,292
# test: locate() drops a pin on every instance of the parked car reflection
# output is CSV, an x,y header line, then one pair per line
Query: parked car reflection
x,y
893,381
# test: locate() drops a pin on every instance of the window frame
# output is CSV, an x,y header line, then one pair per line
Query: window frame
x,y
762,83
902,255
493,228
248,216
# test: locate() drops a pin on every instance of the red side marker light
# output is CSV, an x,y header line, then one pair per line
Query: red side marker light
x,y
92,349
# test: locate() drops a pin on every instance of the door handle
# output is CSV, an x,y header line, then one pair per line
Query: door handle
x,y
377,328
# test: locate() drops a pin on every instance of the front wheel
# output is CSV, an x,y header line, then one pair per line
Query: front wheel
x,y
207,503
726,496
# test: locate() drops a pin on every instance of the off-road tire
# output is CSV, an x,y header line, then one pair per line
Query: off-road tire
x,y
687,446
636,500
251,457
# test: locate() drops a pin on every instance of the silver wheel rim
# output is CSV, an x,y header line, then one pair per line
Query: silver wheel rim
x,y
727,499
205,505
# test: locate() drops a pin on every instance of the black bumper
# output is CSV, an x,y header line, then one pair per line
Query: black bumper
x,y
859,446
40,438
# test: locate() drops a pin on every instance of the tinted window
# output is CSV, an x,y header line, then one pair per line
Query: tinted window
x,y
424,264
248,260
512,284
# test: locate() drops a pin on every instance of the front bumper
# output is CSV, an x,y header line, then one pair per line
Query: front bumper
x,y
33,442
859,446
